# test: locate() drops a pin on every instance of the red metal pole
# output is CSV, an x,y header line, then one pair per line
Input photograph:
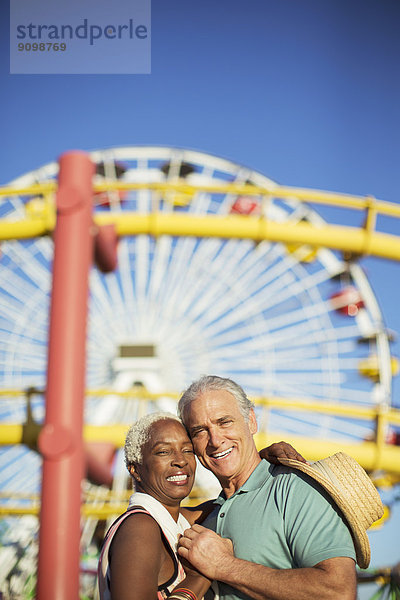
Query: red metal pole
x,y
60,440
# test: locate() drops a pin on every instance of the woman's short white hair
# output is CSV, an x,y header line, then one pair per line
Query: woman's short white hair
x,y
139,434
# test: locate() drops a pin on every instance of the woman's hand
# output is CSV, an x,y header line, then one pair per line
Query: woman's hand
x,y
190,570
194,580
280,450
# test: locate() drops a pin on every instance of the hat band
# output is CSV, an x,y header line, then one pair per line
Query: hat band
x,y
327,472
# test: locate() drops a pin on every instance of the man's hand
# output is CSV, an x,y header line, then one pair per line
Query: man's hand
x,y
198,544
280,450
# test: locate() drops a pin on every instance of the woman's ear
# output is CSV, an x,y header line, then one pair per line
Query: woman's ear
x,y
134,473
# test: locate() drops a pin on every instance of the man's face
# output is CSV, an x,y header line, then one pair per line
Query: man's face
x,y
222,439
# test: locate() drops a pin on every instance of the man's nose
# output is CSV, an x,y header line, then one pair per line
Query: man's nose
x,y
214,438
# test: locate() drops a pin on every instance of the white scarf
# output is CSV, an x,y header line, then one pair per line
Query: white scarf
x,y
170,527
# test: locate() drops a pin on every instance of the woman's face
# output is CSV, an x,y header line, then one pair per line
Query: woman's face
x,y
168,465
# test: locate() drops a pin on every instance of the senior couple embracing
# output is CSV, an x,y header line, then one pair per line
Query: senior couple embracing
x,y
280,529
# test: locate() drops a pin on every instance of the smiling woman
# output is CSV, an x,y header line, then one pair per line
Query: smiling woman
x,y
167,466
139,559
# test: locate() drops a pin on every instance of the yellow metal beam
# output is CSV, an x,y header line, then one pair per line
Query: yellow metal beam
x,y
299,403
36,189
347,239
337,409
350,239
364,240
96,511
181,187
98,508
41,220
12,432
370,455
23,229
366,453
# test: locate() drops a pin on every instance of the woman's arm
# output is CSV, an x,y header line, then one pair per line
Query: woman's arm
x,y
135,559
279,450
194,581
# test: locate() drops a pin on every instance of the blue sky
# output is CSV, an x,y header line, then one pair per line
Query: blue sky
x,y
305,91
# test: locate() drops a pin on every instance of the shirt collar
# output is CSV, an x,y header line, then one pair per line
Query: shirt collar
x,y
259,476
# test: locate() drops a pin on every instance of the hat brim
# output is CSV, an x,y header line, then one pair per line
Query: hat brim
x,y
359,535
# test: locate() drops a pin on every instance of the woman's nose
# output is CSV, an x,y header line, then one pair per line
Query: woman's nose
x,y
179,459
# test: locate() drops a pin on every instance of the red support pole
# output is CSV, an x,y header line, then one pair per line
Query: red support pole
x,y
60,440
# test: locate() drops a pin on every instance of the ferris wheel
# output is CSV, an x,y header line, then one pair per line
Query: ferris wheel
x,y
283,321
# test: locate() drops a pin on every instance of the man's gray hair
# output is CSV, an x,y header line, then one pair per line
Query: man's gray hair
x,y
139,434
213,382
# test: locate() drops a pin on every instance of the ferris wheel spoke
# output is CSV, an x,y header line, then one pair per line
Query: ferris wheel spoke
x,y
284,284
125,281
38,274
296,336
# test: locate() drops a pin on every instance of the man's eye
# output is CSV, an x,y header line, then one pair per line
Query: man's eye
x,y
196,432
227,422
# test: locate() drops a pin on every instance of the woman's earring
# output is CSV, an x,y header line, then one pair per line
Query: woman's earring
x,y
134,474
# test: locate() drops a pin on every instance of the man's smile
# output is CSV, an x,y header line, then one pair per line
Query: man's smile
x,y
223,454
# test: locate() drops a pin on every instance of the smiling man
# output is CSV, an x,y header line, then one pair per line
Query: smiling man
x,y
274,533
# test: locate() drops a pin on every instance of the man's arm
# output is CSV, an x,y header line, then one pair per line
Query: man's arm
x,y
332,579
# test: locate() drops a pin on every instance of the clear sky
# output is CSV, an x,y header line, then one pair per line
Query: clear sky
x,y
305,91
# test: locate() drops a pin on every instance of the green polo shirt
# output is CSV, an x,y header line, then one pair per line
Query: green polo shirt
x,y
282,519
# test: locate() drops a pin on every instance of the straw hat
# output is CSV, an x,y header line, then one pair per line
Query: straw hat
x,y
353,492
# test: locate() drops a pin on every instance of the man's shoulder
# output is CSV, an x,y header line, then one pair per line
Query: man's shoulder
x,y
291,481
296,491
281,475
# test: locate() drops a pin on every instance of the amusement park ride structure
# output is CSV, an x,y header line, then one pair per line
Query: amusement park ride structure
x,y
202,266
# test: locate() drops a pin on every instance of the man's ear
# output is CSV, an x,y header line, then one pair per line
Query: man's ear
x,y
252,422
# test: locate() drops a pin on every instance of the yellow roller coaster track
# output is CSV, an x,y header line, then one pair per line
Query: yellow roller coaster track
x,y
363,240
